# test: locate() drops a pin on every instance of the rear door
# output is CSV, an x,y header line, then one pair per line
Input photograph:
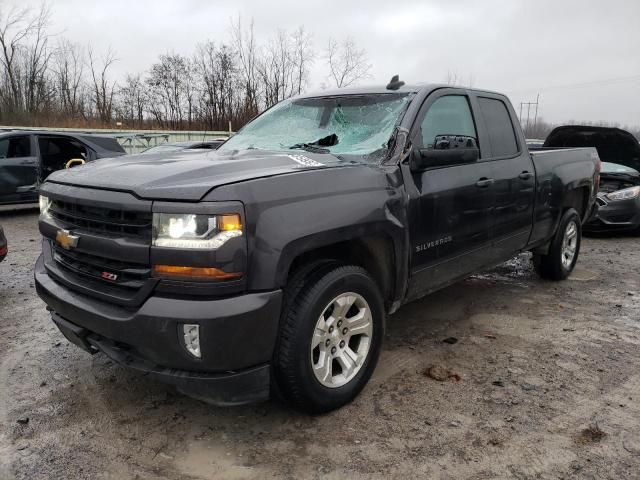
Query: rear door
x,y
18,169
513,173
450,219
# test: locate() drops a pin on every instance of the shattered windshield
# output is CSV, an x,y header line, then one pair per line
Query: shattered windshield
x,y
349,125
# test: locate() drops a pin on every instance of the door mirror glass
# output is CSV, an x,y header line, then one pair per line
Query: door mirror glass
x,y
447,150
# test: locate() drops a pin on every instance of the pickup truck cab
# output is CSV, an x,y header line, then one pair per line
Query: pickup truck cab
x,y
270,265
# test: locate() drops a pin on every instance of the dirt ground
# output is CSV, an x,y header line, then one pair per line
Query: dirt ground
x,y
543,382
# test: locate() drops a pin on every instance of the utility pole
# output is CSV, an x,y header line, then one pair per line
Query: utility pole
x,y
535,115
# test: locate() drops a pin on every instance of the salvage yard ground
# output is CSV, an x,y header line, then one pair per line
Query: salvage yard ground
x,y
536,380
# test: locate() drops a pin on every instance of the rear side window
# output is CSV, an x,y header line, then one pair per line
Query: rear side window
x,y
15,147
502,136
448,115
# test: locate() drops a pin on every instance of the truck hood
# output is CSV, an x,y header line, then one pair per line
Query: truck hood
x,y
188,176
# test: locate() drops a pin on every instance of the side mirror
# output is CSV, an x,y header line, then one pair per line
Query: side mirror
x,y
447,150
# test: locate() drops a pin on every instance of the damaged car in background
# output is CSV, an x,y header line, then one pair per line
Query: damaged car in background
x,y
619,196
27,158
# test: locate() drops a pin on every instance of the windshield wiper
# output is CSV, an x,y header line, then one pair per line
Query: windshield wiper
x,y
328,141
309,147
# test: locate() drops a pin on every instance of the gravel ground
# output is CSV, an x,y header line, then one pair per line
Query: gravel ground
x,y
543,382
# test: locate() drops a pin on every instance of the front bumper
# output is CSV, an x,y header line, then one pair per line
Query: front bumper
x,y
622,215
237,337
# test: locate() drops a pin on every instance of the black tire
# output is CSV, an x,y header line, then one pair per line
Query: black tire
x,y
551,266
293,370
298,279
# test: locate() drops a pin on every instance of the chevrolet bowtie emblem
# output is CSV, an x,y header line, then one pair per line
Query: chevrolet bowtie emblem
x,y
66,240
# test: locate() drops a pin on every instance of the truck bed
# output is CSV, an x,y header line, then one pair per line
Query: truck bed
x,y
569,168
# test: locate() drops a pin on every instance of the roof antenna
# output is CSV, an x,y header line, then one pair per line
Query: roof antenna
x,y
395,83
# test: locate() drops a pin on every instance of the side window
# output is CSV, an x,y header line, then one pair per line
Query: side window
x,y
448,115
61,147
15,147
502,136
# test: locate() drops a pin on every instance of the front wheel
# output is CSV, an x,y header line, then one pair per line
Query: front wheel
x,y
330,339
563,252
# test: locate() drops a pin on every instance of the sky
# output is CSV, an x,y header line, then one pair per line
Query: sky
x,y
581,57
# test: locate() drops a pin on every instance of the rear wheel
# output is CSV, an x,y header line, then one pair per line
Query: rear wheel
x,y
330,339
563,252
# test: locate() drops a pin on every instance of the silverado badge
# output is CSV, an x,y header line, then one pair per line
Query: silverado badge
x,y
66,240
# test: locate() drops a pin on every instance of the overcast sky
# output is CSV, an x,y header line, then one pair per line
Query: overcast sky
x,y
583,57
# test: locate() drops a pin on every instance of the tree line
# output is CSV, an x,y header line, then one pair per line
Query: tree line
x,y
47,80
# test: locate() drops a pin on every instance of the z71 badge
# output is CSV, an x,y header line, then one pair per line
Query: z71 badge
x,y
435,243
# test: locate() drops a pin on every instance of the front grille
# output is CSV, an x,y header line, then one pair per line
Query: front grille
x,y
102,220
128,275
601,201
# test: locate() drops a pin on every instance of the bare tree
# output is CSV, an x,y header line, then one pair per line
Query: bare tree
x,y
219,82
302,57
284,65
275,69
171,90
347,63
132,100
103,89
245,47
24,56
68,70
35,65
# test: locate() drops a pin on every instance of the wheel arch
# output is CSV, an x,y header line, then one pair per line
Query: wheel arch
x,y
377,251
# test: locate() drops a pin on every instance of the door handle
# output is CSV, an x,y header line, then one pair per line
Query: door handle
x,y
28,162
484,182
525,175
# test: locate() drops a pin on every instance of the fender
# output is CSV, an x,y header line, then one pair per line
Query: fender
x,y
289,215
386,230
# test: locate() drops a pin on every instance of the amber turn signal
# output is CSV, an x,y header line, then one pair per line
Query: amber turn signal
x,y
201,273
229,222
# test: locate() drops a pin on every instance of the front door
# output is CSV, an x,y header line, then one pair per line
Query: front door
x,y
18,170
450,219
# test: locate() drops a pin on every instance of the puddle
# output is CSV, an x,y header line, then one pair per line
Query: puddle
x,y
583,275
212,461
514,271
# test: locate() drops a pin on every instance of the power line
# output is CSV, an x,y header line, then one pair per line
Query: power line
x,y
528,105
594,83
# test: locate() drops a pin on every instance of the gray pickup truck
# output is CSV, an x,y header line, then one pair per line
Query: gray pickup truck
x,y
270,266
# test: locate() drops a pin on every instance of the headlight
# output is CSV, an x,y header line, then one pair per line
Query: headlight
x,y
204,232
45,204
624,194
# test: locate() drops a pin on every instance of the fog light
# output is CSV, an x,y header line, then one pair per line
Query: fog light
x,y
192,339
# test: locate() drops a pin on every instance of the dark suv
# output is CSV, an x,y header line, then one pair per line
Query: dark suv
x,y
27,158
